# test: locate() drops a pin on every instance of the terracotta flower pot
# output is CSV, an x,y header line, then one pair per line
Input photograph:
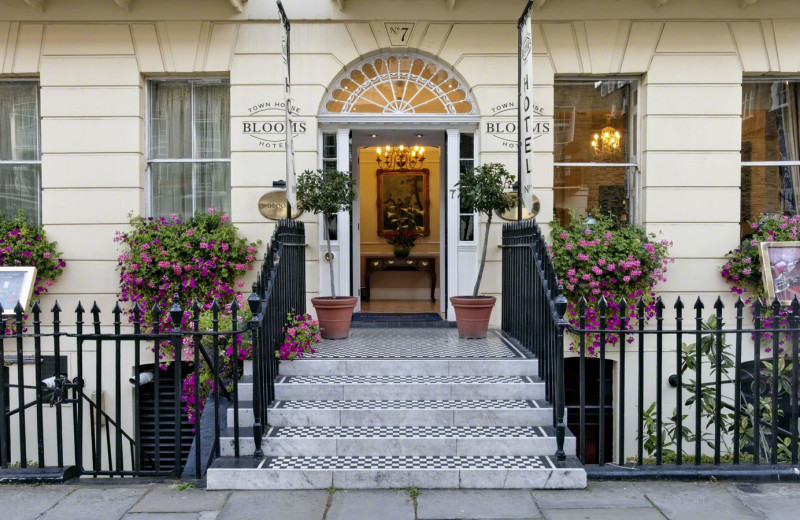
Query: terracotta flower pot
x,y
472,315
334,315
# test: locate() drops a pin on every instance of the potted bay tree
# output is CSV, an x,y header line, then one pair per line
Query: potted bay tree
x,y
483,190
329,192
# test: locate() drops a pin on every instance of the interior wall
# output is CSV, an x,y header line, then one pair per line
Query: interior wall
x,y
398,285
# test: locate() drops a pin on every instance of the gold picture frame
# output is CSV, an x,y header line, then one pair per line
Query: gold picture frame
x,y
780,268
403,187
16,285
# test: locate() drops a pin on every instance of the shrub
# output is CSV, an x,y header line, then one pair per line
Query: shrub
x,y
599,257
199,258
301,332
22,244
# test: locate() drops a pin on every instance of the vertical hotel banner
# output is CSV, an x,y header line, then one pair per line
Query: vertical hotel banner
x,y
526,108
291,174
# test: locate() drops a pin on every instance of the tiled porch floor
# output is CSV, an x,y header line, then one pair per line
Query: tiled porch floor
x,y
428,343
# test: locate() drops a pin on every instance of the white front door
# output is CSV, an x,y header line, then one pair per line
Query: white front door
x,y
340,240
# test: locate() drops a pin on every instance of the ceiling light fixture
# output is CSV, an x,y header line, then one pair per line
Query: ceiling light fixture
x,y
608,140
400,158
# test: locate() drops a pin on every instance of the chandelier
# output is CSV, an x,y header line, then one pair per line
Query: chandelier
x,y
400,158
608,140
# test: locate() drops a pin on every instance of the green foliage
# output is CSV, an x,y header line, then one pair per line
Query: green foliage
x,y
710,343
199,258
484,189
743,265
326,191
24,244
607,259
184,486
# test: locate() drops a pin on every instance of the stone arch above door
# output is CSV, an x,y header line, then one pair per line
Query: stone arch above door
x,y
399,84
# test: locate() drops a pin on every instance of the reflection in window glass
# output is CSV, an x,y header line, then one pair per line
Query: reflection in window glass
x,y
466,231
594,137
20,159
769,133
329,163
189,120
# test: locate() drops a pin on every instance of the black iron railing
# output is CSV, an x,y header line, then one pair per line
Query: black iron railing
x,y
533,307
63,414
717,398
710,394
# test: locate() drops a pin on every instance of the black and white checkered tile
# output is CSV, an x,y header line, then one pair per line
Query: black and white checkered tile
x,y
409,432
409,462
414,343
303,380
443,404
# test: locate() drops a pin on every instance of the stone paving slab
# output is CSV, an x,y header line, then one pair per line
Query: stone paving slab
x,y
168,500
285,505
773,501
205,515
600,501
696,500
637,513
596,495
476,505
105,502
371,505
29,502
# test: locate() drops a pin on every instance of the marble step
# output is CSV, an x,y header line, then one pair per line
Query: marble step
x,y
443,412
400,387
372,472
408,367
399,440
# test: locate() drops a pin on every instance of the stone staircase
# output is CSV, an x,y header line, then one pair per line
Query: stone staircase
x,y
398,408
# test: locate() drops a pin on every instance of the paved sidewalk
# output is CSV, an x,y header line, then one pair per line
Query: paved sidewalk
x,y
601,501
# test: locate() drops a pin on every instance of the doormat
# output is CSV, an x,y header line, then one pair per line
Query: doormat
x,y
396,316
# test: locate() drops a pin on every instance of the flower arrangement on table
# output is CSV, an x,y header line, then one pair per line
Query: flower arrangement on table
x,y
301,332
599,257
199,258
406,229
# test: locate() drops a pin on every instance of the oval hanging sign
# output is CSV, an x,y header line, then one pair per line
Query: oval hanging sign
x,y
273,205
511,214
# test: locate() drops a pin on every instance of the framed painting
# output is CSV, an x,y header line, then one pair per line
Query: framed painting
x,y
16,285
403,189
780,268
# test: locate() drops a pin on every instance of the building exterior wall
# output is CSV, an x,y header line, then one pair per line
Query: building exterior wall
x,y
93,61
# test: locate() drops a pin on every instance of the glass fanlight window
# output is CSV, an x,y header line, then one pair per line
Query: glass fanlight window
x,y
398,84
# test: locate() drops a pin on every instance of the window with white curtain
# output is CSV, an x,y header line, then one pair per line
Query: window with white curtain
x,y
770,150
189,148
20,153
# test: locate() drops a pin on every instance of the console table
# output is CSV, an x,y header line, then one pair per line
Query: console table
x,y
391,263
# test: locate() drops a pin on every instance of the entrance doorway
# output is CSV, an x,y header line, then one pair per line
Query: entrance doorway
x,y
401,202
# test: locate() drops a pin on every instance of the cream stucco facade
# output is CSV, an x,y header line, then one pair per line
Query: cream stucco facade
x,y
93,59
689,59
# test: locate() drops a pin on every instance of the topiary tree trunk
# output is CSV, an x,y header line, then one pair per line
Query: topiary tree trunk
x,y
483,257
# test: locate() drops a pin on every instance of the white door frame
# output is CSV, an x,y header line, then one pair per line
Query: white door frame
x,y
346,266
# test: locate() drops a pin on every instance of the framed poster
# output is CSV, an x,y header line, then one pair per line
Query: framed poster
x,y
16,285
403,188
780,267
